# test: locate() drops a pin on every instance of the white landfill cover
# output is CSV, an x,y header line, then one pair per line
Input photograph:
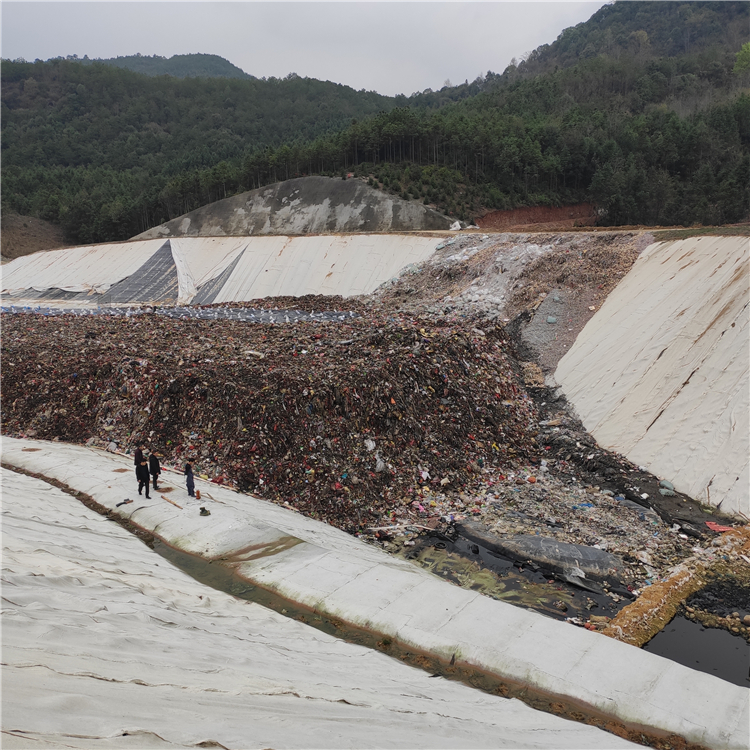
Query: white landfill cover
x,y
661,372
92,268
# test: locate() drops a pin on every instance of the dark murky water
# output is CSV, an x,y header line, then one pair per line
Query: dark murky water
x,y
474,567
471,566
709,650
724,594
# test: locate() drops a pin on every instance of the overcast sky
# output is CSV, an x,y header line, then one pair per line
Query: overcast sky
x,y
389,47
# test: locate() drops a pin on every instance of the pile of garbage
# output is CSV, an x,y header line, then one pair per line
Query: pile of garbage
x,y
347,421
223,312
501,275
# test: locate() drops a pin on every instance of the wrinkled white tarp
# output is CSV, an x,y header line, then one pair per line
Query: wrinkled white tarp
x,y
200,259
271,266
345,265
324,569
106,645
661,373
78,269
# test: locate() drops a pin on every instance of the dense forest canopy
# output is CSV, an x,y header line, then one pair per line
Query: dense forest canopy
x,y
643,110
179,66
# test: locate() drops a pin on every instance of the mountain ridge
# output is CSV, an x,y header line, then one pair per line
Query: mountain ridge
x,y
193,65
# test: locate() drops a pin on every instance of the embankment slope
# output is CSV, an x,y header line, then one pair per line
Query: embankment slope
x,y
106,645
661,372
338,576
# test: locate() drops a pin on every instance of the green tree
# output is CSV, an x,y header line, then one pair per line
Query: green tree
x,y
742,61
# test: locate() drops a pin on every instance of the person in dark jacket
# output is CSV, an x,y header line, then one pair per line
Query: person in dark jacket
x,y
141,471
154,468
189,480
138,457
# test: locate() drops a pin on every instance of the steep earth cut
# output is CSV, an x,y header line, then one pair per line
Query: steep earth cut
x,y
539,218
23,235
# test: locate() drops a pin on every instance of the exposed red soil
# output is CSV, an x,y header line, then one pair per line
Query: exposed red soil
x,y
540,218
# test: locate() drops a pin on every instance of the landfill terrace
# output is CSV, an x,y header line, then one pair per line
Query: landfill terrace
x,y
384,425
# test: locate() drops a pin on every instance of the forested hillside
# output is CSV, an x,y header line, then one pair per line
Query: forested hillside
x,y
643,110
93,146
179,66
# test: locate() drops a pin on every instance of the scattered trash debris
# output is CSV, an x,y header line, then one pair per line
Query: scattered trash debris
x,y
718,527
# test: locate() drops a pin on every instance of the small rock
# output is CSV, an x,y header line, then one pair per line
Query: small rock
x,y
551,319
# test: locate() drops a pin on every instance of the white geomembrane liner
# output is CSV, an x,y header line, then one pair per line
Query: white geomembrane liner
x,y
200,259
78,269
661,373
342,577
345,265
269,266
107,645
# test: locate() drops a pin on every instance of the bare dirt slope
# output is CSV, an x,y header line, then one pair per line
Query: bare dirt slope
x,y
306,205
540,218
23,235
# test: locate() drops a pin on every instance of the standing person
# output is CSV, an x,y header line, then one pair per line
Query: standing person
x,y
189,480
154,467
141,471
138,457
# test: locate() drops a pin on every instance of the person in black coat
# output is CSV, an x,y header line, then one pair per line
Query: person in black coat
x,y
154,468
189,480
141,471
138,457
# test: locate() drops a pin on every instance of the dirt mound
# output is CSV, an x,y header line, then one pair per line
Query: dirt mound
x,y
23,235
540,218
306,205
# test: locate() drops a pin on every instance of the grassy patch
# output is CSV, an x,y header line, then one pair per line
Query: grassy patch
x,y
731,230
